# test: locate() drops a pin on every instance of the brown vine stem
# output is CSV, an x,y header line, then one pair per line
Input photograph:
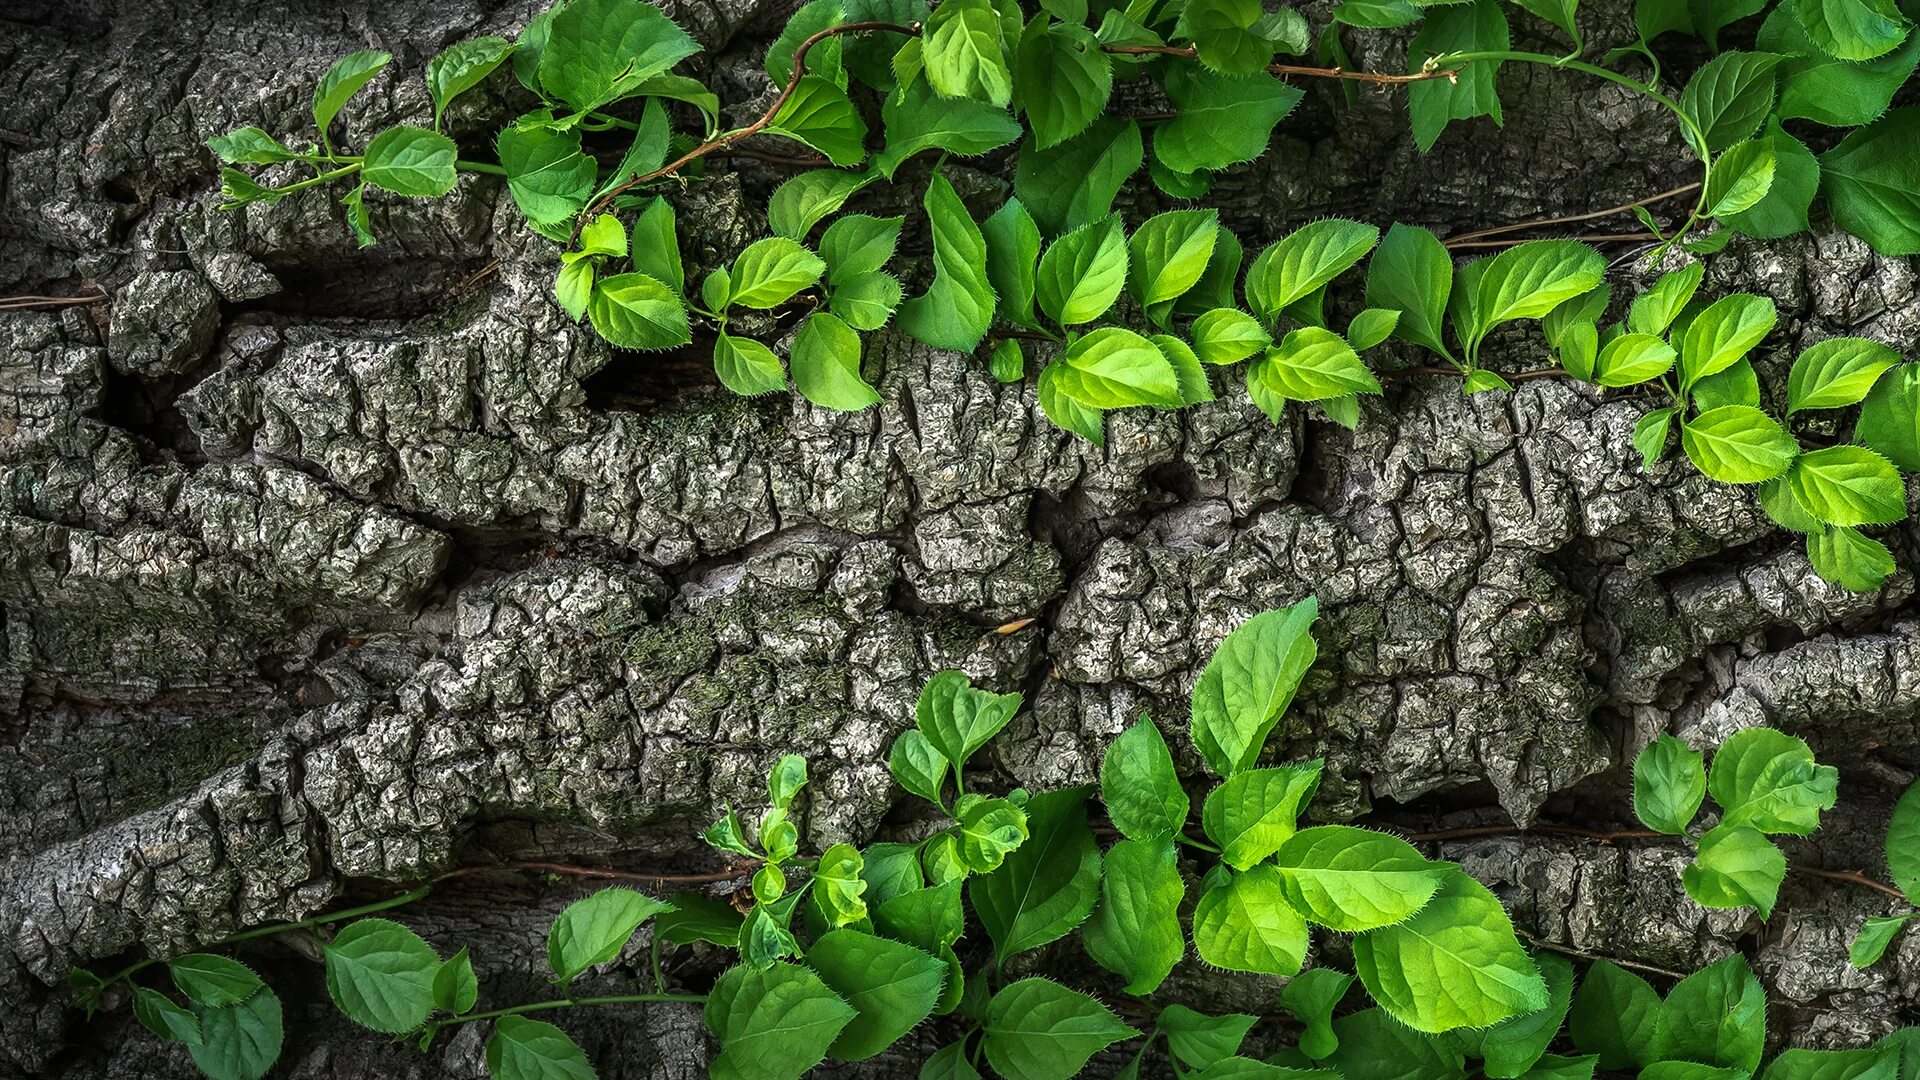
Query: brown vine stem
x,y
1585,238
1187,52
1684,189
1851,877
1579,954
727,140
598,872
30,303
1455,373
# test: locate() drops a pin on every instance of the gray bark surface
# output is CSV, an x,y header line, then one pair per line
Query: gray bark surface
x,y
324,571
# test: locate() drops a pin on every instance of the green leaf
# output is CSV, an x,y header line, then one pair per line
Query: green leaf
x,y
1245,924
838,886
1227,335
455,990
1215,288
1782,211
1075,183
1836,373
866,303
1412,274
1511,1047
1615,1015
1138,784
1669,784
1066,411
802,202
1167,255
249,146
656,245
1376,14
1013,247
1353,879
1650,435
1741,178
598,51
891,870
819,114
1872,182
1112,368
988,831
462,67
1224,35
1199,1041
523,1049
343,80
1690,1070
1254,812
1219,120
1737,385
1849,558
1716,1016
1890,418
593,930
238,1041
1370,327
1309,364
1877,1063
1903,844
929,919
1729,97
1654,310
380,974
1064,80
1304,261
1738,444
1135,932
826,364
918,766
551,180
770,271
858,245
1248,683
957,309
823,58
1008,363
959,719
747,367
1311,997
1632,358
1046,887
1558,12
636,311
891,986
1853,29
158,1014
1481,380
1826,90
773,1023
1768,779
1375,1046
949,1063
1848,485
917,119
1433,103
964,54
212,980
1082,273
411,161
1527,281
355,200
1868,946
1456,963
1736,867
1039,1030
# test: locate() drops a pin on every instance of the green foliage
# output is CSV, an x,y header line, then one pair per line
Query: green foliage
x,y
1669,784
1248,684
593,930
1454,963
1035,1029
381,975
523,1049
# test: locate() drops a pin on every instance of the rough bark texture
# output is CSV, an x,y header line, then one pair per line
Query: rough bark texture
x,y
324,570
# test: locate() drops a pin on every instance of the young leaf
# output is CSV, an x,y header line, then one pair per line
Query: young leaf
x,y
1046,887
1849,558
917,119
770,271
455,990
239,1041
212,980
826,364
1167,255
1741,178
355,200
550,178
1890,418
1729,97
957,309
988,831
1511,1048
1082,273
1669,784
1716,1016
1412,273
1868,946
1064,79
1736,867
1738,444
1837,372
1352,879
1853,29
523,1049
1219,120
636,311
1456,963
1248,683
1903,844
1370,327
411,161
747,367
1304,261
1111,368
1008,362
1135,932
1309,364
1868,180
380,974
1650,435
958,719
1013,247
1253,812
1199,1041
593,930
343,80
866,302
1655,309
1632,358
1848,485
1818,87
800,203
773,1023
891,986
821,115
1075,183
1615,1015
918,767
462,67
1769,780
1039,1030
1244,923
1432,103
599,51
1067,412
1227,335
1529,280
249,146
857,245
158,1014
964,54
1311,997
1138,784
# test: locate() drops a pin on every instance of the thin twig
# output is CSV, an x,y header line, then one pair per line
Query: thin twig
x,y
727,141
600,873
30,303
1598,836
1587,238
1608,212
1578,954
791,160
1851,877
1456,373
1284,70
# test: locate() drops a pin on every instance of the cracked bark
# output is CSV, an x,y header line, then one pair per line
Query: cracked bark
x,y
324,571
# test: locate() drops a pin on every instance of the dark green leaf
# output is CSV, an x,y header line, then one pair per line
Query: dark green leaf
x,y
1219,120
1872,182
1135,932
773,1023
1669,784
1142,792
523,1049
1432,103
957,309
1074,183
593,930
380,974
1717,1016
212,980
1049,885
1615,1014
158,1014
411,161
1200,1041
598,51
891,987
1730,96
917,119
1040,1030
551,179
1064,80
239,1041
